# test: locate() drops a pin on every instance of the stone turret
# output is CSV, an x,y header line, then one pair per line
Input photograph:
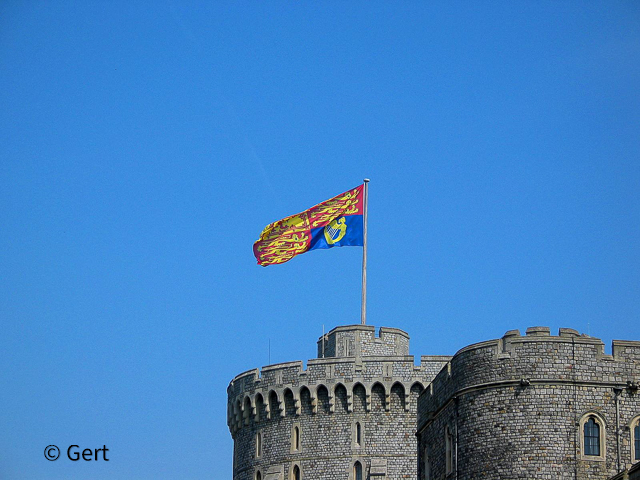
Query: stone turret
x,y
361,341
354,407
518,407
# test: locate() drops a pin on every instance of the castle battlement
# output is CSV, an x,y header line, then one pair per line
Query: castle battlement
x,y
537,387
354,404
361,341
538,356
512,407
354,356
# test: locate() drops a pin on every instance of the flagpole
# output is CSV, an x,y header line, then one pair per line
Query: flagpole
x,y
363,315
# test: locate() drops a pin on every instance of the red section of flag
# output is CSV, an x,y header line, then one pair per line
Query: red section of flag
x,y
282,240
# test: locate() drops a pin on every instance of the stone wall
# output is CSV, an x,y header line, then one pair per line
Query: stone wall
x,y
361,341
515,407
363,379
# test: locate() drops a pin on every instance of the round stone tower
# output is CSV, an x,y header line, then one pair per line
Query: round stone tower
x,y
532,407
351,415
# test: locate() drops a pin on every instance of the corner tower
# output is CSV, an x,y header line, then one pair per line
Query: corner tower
x,y
350,415
533,406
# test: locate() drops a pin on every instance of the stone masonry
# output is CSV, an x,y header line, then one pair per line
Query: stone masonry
x,y
519,407
516,408
353,409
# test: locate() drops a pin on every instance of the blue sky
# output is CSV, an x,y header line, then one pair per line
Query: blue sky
x,y
144,146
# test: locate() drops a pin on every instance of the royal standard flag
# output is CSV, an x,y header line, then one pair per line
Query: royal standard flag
x,y
334,223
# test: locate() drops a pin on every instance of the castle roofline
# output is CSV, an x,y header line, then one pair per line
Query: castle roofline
x,y
365,328
361,341
534,358
543,334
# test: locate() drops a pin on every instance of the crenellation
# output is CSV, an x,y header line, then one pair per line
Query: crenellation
x,y
516,404
363,378
515,407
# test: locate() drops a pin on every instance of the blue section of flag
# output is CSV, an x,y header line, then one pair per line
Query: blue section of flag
x,y
342,232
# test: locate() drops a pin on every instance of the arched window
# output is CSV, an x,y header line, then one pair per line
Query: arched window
x,y
259,407
448,443
258,475
635,439
296,473
289,403
295,440
378,396
357,471
426,467
414,392
592,437
359,398
246,410
305,401
592,431
258,445
341,399
239,414
323,399
274,405
397,396
358,434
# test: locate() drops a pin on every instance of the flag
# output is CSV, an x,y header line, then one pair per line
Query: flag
x,y
334,223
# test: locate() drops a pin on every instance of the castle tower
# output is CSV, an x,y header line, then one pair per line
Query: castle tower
x,y
351,415
533,407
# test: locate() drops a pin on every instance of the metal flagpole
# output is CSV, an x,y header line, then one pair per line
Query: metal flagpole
x,y
363,316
